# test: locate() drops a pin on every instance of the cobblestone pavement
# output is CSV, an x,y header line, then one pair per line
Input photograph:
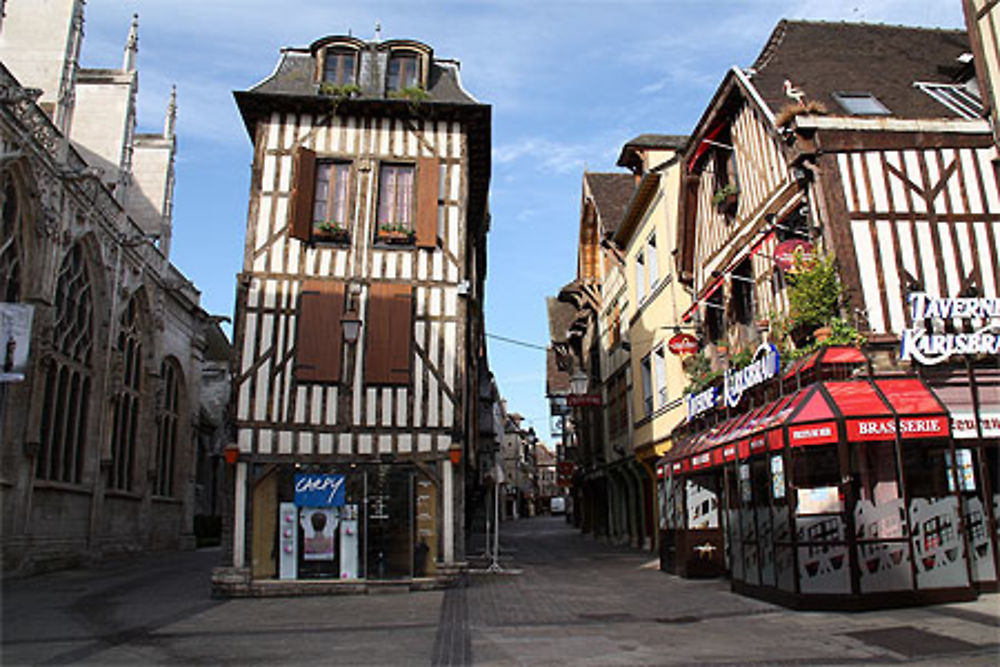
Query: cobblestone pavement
x,y
572,602
581,603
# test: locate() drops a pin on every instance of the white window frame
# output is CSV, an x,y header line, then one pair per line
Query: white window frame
x,y
651,262
647,385
660,375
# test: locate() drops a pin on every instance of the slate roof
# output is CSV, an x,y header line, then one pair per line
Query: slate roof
x,y
612,193
668,141
821,58
295,75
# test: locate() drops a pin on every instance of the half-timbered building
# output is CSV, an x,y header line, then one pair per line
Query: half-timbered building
x,y
359,315
849,478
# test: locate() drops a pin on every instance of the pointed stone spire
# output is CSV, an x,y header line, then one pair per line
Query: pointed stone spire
x,y
171,121
132,45
378,31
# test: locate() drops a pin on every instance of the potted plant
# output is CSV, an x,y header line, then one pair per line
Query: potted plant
x,y
814,296
393,233
328,230
725,198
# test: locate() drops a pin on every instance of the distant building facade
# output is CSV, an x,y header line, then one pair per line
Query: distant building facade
x,y
100,450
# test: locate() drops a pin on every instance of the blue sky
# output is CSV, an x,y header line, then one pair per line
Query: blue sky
x,y
570,81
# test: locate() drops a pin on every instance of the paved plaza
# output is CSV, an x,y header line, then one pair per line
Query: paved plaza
x,y
564,601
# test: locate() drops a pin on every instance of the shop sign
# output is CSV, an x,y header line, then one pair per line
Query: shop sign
x,y
963,425
583,400
813,434
319,490
765,365
701,402
564,473
930,348
884,428
683,343
701,460
729,452
785,252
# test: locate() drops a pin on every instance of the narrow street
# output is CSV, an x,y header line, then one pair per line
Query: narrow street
x,y
571,602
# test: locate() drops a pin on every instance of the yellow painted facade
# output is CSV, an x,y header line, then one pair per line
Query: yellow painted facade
x,y
656,301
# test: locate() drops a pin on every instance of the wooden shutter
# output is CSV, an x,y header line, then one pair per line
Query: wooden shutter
x,y
427,202
388,334
689,217
319,332
300,204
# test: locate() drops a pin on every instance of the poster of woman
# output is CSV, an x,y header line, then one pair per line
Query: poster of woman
x,y
319,533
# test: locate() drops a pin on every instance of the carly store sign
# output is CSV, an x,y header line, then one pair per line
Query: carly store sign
x,y
931,348
313,490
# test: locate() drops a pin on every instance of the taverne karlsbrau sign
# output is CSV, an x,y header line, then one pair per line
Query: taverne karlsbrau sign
x,y
928,347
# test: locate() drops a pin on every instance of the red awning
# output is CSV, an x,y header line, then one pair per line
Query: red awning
x,y
823,413
835,354
704,145
707,293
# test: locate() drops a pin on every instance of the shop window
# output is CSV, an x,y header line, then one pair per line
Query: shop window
x,y
128,401
402,71
777,477
927,470
391,552
388,334
702,495
877,491
167,423
340,66
66,397
816,476
330,201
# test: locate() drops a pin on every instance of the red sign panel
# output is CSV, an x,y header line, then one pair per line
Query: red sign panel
x,y
699,461
584,400
785,252
884,428
683,343
822,433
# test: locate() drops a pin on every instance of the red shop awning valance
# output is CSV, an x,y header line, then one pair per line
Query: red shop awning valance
x,y
823,413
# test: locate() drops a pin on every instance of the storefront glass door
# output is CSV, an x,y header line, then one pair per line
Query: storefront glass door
x,y
389,509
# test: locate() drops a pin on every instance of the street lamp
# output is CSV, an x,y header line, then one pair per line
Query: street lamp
x,y
351,325
578,382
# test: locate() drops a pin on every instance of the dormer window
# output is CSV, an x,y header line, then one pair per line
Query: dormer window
x,y
403,71
340,66
861,104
